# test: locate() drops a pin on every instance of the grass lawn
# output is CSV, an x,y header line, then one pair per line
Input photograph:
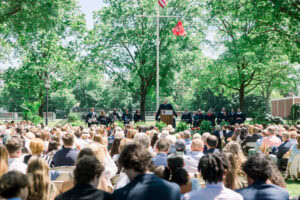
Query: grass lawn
x,y
293,186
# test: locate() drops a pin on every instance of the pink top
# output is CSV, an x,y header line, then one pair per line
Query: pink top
x,y
271,141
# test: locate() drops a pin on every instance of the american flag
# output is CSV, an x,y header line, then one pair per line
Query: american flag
x,y
162,3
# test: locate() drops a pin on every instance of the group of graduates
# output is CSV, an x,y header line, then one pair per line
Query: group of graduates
x,y
188,117
103,119
196,119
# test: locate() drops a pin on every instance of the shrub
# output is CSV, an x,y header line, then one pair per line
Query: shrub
x,y
120,124
267,119
31,110
181,126
73,117
160,125
205,126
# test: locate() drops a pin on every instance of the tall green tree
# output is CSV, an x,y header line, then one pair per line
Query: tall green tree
x,y
124,44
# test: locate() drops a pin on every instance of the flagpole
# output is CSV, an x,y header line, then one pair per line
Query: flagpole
x,y
157,59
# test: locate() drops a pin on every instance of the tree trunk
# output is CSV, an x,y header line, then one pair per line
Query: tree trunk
x,y
267,102
143,100
242,97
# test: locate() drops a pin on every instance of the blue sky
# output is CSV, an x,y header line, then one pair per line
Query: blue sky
x,y
88,7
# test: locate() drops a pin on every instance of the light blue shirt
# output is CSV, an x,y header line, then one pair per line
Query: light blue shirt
x,y
295,151
215,191
160,159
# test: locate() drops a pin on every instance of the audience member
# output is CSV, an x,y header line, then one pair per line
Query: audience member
x,y
87,173
271,141
191,161
283,149
212,142
3,160
213,168
14,147
67,155
258,169
14,186
162,148
40,186
136,161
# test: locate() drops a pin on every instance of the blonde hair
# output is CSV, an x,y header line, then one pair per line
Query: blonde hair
x,y
251,129
36,146
3,160
131,133
39,180
98,138
236,150
123,143
99,151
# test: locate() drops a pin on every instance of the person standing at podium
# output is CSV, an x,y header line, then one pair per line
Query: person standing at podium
x,y
165,106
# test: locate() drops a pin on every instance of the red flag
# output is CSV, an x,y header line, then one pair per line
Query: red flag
x,y
162,3
179,30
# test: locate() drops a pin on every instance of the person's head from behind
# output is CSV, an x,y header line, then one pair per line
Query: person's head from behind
x,y
14,184
197,145
180,145
163,146
257,168
14,146
212,168
285,136
68,140
204,137
3,159
135,159
88,170
271,130
36,146
142,139
52,146
186,134
212,141
38,176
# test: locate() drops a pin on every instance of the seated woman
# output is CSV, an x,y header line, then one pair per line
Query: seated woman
x,y
293,165
36,147
40,186
175,172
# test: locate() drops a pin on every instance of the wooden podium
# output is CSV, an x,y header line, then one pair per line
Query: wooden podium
x,y
166,116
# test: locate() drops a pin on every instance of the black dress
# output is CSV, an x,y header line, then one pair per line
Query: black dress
x,y
137,118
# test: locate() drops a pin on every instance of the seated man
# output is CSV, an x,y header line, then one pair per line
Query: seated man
x,y
258,169
187,117
14,186
191,161
283,149
271,141
67,155
87,175
212,168
162,147
136,160
212,142
14,146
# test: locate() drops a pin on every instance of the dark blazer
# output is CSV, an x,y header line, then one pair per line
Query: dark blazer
x,y
262,191
84,192
283,148
148,187
65,157
164,107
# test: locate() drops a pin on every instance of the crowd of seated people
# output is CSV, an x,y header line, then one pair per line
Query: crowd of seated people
x,y
99,163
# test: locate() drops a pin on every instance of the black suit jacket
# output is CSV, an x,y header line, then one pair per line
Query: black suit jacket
x,y
262,191
84,192
148,187
165,107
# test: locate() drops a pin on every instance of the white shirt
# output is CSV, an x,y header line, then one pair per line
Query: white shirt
x,y
213,192
16,164
191,161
